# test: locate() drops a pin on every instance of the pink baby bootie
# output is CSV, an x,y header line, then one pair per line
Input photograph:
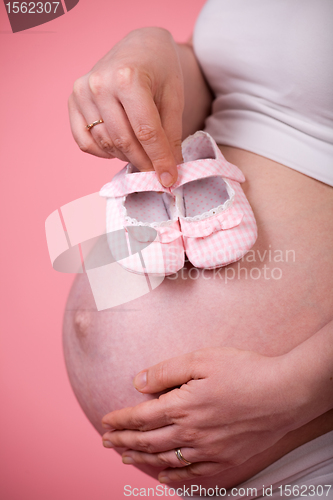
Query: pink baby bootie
x,y
216,219
151,241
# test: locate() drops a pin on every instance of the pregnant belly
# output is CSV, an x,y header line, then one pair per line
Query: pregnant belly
x,y
271,301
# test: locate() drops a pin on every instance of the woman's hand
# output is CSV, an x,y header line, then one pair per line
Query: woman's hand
x,y
137,90
231,405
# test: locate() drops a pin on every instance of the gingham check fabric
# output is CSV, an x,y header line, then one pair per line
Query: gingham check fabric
x,y
142,248
125,183
229,218
225,238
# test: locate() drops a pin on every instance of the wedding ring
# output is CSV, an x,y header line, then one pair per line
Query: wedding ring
x,y
180,457
97,122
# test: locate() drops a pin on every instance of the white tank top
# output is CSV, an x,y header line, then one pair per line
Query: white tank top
x,y
270,65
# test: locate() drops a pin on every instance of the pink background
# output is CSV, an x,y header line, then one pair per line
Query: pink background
x,y
49,450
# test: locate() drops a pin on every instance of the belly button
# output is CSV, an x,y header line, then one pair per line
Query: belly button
x,y
82,322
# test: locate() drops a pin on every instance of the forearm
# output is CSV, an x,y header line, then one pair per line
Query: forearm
x,y
198,96
309,374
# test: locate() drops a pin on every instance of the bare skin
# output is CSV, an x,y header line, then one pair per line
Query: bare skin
x,y
284,301
105,350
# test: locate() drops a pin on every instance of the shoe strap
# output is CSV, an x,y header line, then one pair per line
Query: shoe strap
x,y
199,169
227,219
123,184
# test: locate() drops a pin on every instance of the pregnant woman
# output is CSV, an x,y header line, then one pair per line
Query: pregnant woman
x,y
243,355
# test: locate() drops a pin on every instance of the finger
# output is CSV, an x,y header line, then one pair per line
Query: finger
x,y
171,112
190,472
162,459
122,135
147,127
145,416
154,441
100,132
170,373
103,140
81,135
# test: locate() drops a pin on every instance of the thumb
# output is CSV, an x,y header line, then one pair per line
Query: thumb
x,y
168,374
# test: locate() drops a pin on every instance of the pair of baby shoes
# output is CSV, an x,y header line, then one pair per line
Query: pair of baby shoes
x,y
205,214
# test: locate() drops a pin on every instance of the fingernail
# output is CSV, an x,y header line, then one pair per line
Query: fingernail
x,y
140,380
128,460
107,444
166,179
163,478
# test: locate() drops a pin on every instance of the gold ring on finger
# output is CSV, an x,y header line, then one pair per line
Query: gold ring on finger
x,y
180,457
97,122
